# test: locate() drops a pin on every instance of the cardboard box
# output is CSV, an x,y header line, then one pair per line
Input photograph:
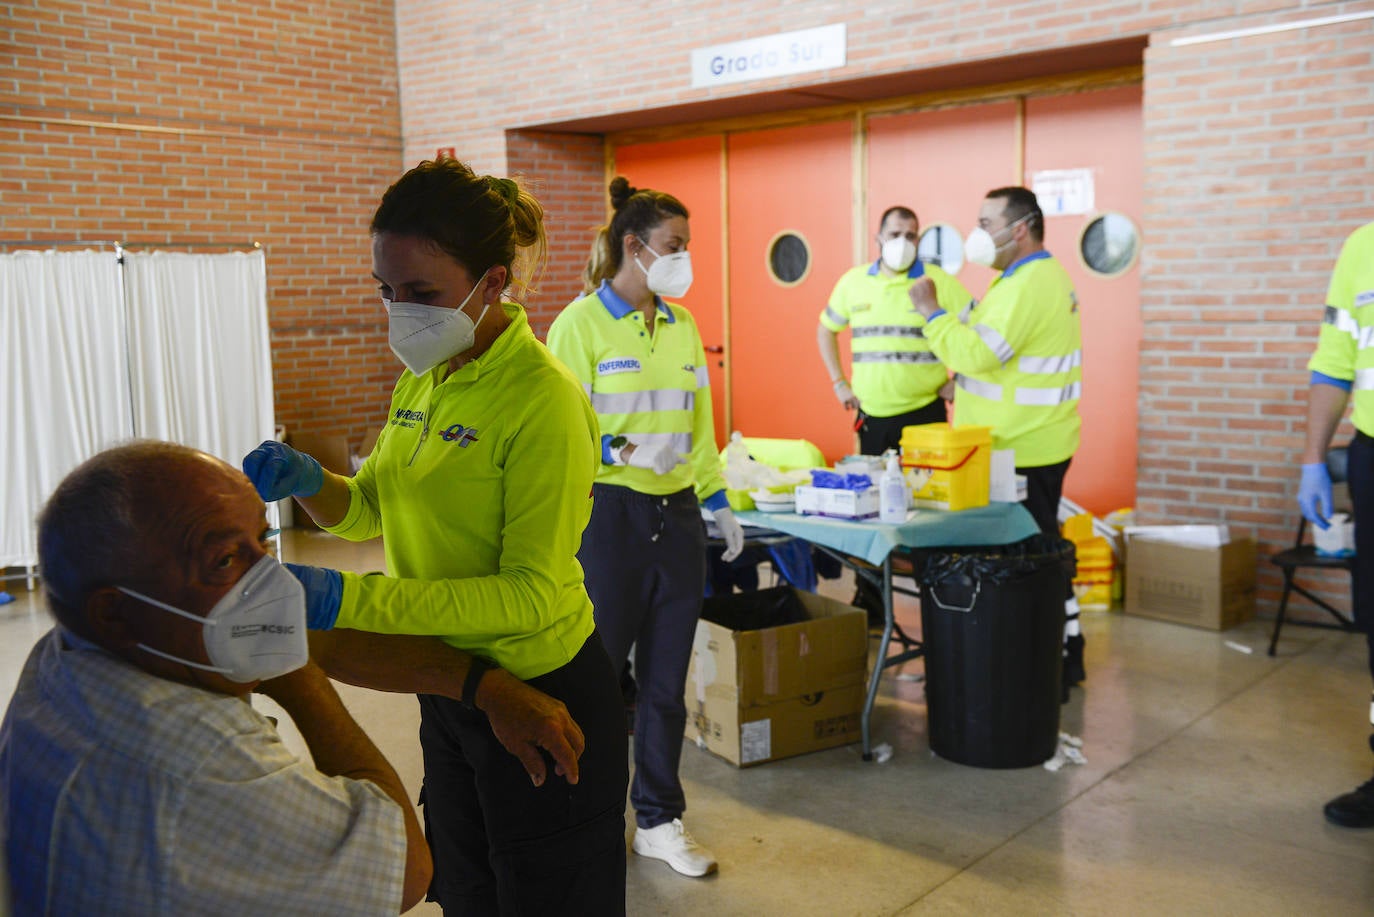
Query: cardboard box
x,y
759,695
844,504
1199,536
1205,587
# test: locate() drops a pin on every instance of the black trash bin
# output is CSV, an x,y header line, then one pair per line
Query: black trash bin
x,y
992,621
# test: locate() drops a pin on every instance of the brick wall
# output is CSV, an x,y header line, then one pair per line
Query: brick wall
x,y
1257,163
567,173
186,120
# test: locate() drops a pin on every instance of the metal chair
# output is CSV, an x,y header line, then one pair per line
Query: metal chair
x,y
1305,556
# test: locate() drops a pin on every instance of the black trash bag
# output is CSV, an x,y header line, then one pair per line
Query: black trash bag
x,y
954,567
992,621
741,574
755,610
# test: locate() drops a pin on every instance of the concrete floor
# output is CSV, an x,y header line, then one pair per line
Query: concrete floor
x,y
1206,772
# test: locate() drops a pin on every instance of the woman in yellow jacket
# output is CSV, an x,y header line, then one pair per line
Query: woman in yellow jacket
x,y
479,487
641,361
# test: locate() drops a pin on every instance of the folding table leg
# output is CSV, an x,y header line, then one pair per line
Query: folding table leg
x,y
879,661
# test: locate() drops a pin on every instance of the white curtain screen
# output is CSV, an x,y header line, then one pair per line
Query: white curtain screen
x,y
198,350
168,346
66,375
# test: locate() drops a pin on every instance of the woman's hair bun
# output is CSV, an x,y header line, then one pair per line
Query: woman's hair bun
x,y
507,188
621,191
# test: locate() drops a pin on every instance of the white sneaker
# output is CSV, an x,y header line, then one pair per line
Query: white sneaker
x,y
671,843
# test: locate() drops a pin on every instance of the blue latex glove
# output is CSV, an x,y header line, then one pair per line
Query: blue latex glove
x,y
278,471
1314,494
323,594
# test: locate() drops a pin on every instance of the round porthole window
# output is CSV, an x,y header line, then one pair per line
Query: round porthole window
x,y
941,244
789,258
1109,244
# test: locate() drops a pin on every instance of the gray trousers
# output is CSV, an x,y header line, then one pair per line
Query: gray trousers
x,y
645,562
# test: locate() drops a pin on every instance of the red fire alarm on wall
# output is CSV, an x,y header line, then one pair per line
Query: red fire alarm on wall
x,y
445,152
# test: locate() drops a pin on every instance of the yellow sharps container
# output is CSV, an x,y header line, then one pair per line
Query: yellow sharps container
x,y
959,460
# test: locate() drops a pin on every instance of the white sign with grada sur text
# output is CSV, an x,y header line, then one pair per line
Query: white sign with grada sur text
x,y
783,54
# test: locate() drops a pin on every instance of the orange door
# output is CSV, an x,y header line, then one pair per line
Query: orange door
x,y
691,171
940,164
796,181
1100,132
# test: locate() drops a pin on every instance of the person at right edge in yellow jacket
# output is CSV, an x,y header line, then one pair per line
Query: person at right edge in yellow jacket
x,y
1018,363
1343,370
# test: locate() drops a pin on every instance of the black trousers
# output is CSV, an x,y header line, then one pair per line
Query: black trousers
x,y
502,845
1361,483
645,561
1044,487
878,434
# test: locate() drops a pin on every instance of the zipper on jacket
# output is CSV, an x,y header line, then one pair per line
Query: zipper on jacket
x,y
424,432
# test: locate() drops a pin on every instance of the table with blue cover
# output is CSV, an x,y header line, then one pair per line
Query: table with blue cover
x,y
868,548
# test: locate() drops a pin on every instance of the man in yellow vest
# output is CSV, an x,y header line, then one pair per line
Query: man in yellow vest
x,y
897,380
1344,363
1018,361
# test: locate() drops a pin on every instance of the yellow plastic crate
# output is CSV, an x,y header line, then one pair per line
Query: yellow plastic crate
x,y
1078,528
1094,552
960,462
1094,595
1090,575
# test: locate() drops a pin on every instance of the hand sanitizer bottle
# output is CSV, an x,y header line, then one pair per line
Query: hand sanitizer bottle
x,y
892,495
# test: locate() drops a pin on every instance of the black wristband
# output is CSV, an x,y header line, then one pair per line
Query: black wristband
x,y
476,669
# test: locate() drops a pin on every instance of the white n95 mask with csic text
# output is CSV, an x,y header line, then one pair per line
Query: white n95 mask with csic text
x,y
425,336
256,630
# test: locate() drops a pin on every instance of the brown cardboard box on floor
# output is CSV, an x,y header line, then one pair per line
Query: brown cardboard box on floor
x,y
759,695
1211,587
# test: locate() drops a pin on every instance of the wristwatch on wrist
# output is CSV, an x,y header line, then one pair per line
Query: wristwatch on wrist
x,y
478,667
617,443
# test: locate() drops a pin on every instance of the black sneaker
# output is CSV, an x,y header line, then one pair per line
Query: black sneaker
x,y
1354,809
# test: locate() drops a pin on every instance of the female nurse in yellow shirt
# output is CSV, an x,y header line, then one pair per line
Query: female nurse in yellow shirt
x,y
479,485
641,361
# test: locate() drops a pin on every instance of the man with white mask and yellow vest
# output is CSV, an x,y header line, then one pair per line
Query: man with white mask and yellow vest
x,y
897,379
1343,369
641,360
1018,361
